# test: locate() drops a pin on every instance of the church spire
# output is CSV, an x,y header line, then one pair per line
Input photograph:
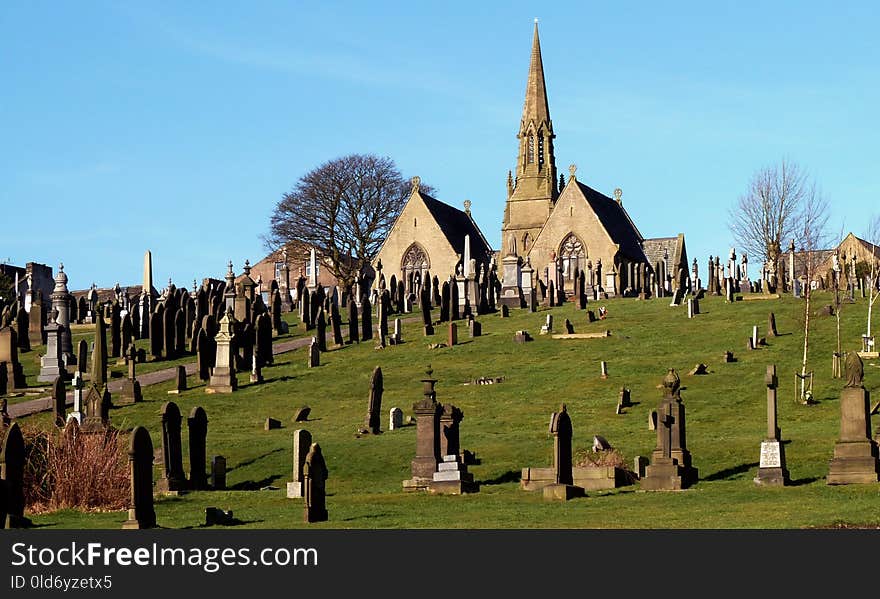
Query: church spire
x,y
536,109
533,193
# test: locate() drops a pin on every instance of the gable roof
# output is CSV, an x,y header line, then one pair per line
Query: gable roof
x,y
616,222
654,248
455,224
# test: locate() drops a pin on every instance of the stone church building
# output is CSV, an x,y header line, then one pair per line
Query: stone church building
x,y
555,228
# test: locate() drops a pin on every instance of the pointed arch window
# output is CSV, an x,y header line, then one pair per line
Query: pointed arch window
x,y
526,241
573,255
530,150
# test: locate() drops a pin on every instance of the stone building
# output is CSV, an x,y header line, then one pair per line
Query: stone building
x,y
430,236
561,228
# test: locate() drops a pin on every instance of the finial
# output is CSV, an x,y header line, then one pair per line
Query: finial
x,y
416,181
618,195
572,169
536,20
467,206
229,266
61,266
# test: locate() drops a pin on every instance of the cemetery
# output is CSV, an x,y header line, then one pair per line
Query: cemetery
x,y
387,432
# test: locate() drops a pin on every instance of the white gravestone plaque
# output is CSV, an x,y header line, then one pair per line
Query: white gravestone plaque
x,y
770,457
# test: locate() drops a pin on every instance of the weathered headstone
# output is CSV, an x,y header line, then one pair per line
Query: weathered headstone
x,y
302,414
9,356
771,326
475,328
141,513
563,487
12,465
366,320
271,424
427,416
372,422
452,338
353,332
173,478
197,426
855,453
670,467
131,387
314,354
179,380
314,486
395,419
59,401
218,473
302,442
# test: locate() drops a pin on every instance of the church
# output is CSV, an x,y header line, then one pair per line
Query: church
x,y
556,228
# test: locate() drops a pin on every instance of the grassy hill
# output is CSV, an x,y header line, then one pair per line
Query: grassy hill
x,y
506,424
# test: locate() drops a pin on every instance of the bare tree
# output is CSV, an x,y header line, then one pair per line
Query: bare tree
x,y
344,208
811,234
873,237
765,216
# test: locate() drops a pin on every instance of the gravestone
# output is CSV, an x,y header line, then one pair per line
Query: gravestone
x,y
569,328
772,469
180,332
168,331
314,486
771,326
372,422
505,311
521,337
314,354
475,328
444,302
624,399
452,338
82,352
131,388
855,453
141,513
302,414
156,333
366,320
603,369
353,334
321,331
78,386
52,364
197,426
223,377
591,316
179,380
12,466
173,478
425,305
395,419
336,325
397,336
9,355
271,424
59,401
116,347
427,416
563,487
218,473
670,467
302,442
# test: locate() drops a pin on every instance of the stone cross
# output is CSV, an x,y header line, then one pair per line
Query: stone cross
x,y
771,381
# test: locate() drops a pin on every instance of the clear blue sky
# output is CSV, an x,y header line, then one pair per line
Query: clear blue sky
x,y
175,127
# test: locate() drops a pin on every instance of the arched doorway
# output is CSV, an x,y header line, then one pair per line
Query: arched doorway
x,y
415,260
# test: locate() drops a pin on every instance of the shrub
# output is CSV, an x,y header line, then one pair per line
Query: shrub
x,y
71,469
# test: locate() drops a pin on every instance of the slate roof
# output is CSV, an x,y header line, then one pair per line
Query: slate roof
x,y
455,224
616,221
653,249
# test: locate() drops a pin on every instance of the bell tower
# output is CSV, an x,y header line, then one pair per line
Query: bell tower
x,y
533,192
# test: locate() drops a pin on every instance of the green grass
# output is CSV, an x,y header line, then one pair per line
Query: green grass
x,y
506,424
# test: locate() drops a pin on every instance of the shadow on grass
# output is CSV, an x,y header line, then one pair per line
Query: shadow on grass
x,y
367,517
731,472
804,481
254,485
230,522
252,460
510,476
